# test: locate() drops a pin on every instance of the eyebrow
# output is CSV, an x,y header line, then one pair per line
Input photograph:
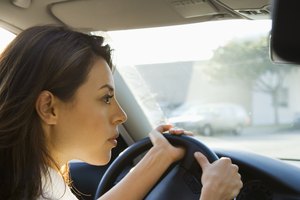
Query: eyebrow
x,y
110,88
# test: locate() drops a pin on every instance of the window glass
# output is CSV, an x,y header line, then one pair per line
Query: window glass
x,y
215,79
6,38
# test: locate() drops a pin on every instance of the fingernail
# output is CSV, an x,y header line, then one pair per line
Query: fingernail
x,y
197,154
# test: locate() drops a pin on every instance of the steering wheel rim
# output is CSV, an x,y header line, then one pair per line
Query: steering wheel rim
x,y
185,171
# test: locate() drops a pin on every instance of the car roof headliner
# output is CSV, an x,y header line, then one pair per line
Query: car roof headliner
x,y
107,15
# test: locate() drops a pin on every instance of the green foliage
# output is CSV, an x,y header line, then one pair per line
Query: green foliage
x,y
248,60
243,59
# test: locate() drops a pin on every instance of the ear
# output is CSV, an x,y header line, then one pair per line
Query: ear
x,y
45,107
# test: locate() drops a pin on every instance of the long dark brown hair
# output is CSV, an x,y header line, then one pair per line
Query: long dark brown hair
x,y
48,57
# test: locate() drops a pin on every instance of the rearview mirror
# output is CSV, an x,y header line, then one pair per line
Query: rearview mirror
x,y
285,33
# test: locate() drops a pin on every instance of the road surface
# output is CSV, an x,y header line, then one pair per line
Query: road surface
x,y
274,143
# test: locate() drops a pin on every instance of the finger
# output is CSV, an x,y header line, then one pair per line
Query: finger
x,y
235,167
202,160
178,131
156,134
190,133
163,128
226,161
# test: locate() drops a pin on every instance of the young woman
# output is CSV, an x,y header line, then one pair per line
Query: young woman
x,y
57,103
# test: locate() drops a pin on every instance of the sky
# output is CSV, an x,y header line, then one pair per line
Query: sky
x,y
180,43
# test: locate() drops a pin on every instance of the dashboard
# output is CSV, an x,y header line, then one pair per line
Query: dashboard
x,y
265,178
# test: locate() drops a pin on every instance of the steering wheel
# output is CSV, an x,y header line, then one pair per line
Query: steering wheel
x,y
181,181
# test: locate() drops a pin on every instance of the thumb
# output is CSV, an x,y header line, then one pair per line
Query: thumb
x,y
202,160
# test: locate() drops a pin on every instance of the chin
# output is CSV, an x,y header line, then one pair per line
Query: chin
x,y
99,159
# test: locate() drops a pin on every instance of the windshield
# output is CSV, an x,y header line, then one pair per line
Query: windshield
x,y
215,79
6,38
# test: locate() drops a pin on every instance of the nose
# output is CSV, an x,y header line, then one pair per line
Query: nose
x,y
120,116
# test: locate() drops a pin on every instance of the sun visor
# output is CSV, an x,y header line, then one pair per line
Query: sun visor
x,y
110,15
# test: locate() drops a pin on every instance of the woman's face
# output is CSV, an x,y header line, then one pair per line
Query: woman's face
x,y
87,126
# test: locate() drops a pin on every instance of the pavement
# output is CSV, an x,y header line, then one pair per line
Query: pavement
x,y
277,142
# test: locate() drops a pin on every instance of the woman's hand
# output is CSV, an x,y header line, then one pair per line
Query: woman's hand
x,y
161,143
220,179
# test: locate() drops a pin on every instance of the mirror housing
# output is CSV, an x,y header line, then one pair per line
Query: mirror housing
x,y
285,33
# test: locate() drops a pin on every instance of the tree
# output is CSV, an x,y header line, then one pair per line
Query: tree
x,y
249,60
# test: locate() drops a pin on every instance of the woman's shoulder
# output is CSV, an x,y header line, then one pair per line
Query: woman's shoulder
x,y
54,187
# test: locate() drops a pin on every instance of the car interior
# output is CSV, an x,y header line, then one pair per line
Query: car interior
x,y
266,176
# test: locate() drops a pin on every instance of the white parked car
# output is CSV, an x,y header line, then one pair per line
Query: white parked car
x,y
211,118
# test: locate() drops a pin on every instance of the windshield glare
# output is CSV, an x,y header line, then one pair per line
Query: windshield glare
x,y
215,79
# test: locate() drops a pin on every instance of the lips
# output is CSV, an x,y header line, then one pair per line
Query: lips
x,y
113,140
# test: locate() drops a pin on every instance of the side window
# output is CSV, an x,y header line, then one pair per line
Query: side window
x,y
6,38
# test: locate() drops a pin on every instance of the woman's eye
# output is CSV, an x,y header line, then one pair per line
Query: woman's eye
x,y
107,98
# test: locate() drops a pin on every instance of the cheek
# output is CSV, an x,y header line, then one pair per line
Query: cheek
x,y
84,124
92,122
